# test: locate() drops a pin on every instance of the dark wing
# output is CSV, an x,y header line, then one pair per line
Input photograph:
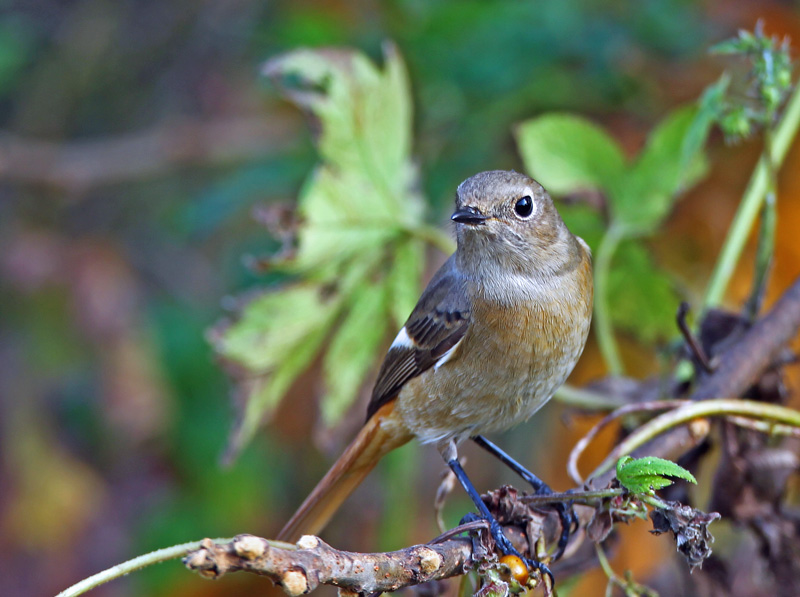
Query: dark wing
x,y
436,325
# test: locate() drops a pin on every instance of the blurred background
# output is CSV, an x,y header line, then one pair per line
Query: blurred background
x,y
136,140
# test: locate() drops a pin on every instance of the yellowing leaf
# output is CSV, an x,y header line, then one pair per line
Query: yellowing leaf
x,y
274,341
274,324
353,349
355,261
403,280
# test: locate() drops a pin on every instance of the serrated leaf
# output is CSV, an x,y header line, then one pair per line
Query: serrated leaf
x,y
567,153
274,324
355,210
352,351
663,170
404,280
642,294
274,340
343,219
640,475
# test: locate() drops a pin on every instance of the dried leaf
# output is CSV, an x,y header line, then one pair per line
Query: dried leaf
x,y
689,527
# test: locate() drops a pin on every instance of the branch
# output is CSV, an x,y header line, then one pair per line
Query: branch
x,y
301,570
742,364
76,166
737,369
695,410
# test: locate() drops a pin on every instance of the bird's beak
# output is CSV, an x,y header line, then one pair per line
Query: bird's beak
x,y
468,215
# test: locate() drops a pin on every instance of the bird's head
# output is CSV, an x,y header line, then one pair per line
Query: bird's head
x,y
507,222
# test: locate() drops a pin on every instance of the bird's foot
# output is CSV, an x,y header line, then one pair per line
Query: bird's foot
x,y
567,517
505,546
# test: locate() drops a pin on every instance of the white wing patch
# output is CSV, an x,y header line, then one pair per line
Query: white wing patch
x,y
402,340
446,356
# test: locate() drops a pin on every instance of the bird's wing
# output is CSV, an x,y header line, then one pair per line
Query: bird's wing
x,y
437,324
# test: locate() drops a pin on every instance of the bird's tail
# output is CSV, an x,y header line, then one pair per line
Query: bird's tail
x,y
381,434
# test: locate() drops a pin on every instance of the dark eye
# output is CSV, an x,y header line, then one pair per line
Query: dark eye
x,y
524,206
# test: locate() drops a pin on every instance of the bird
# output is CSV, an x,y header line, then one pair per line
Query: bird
x,y
494,334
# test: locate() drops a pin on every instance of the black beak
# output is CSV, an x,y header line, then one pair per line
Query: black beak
x,y
468,215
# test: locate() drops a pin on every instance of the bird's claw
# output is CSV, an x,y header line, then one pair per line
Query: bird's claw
x,y
506,547
567,517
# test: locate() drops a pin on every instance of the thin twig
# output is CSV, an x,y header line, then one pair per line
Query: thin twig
x,y
575,454
766,427
579,496
473,525
587,399
120,570
76,166
691,341
695,410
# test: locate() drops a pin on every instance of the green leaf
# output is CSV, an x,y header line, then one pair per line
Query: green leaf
x,y
567,153
404,280
584,221
709,108
670,162
642,475
355,262
352,351
643,297
365,115
273,341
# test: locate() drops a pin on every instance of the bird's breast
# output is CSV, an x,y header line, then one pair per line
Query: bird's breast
x,y
506,367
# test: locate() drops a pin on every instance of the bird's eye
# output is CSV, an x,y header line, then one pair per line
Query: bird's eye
x,y
524,207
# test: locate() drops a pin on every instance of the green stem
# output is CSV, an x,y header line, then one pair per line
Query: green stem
x,y
587,399
602,314
695,410
766,237
148,559
606,567
630,587
751,202
572,496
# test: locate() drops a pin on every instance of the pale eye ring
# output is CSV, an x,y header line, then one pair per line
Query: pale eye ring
x,y
524,207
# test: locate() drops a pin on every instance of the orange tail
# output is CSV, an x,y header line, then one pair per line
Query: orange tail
x,y
379,436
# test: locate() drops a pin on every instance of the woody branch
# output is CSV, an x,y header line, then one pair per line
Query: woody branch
x,y
314,562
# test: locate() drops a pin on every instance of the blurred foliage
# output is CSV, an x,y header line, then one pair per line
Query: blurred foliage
x,y
770,81
113,412
356,251
569,155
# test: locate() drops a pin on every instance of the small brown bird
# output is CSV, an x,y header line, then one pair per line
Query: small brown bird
x,y
495,333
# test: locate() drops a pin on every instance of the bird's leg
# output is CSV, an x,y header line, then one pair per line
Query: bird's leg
x,y
565,511
494,527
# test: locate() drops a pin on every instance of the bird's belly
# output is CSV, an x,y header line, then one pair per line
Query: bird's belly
x,y
498,377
